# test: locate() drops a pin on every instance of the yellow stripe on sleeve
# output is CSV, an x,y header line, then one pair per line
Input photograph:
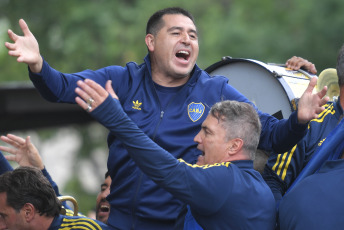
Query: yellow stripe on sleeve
x,y
81,223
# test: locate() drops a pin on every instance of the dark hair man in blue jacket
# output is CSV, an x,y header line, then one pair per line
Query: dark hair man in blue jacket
x,y
168,96
28,201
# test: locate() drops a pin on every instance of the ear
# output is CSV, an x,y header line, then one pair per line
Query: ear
x,y
234,146
150,42
29,212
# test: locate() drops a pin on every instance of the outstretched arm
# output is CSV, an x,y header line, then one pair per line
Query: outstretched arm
x,y
25,48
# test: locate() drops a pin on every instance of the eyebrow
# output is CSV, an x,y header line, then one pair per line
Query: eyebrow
x,y
181,28
205,128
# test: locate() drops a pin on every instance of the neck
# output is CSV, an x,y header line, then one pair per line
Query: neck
x,y
42,222
168,81
238,157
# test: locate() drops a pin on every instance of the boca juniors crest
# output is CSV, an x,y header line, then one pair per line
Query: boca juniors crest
x,y
195,111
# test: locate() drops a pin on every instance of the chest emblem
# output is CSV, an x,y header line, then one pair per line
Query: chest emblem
x,y
195,111
136,105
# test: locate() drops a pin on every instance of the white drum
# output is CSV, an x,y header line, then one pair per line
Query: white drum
x,y
273,88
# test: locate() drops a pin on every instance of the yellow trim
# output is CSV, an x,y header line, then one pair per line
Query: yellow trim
x,y
68,223
321,117
205,166
278,158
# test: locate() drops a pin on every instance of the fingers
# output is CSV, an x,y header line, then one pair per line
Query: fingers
x,y
311,68
8,149
323,92
12,35
24,27
312,83
82,103
109,89
32,148
293,63
13,140
324,100
87,90
296,63
10,157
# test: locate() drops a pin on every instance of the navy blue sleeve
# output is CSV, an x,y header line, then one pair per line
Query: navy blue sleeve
x,y
55,187
4,164
56,86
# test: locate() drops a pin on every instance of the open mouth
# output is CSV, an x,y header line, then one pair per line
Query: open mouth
x,y
104,208
183,54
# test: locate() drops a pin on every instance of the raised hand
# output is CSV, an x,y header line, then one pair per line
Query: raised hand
x,y
91,94
24,152
310,105
25,48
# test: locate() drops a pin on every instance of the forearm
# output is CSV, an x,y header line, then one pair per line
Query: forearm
x,y
280,135
53,184
4,164
56,86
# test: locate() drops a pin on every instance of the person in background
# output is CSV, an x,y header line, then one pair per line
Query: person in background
x,y
167,96
316,202
282,169
102,204
25,153
28,201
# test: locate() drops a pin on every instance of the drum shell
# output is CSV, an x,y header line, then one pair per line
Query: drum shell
x,y
273,88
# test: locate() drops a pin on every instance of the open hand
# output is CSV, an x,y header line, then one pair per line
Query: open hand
x,y
25,48
310,105
24,152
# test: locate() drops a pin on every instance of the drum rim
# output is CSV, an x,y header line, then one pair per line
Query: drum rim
x,y
227,60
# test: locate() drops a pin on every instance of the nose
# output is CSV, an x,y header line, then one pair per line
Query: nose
x,y
185,38
198,138
107,191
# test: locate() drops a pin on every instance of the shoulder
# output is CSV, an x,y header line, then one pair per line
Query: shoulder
x,y
73,222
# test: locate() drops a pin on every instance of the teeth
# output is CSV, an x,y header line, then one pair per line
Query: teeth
x,y
183,52
104,208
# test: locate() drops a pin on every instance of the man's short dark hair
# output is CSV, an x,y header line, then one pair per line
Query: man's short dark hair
x,y
340,67
155,22
28,185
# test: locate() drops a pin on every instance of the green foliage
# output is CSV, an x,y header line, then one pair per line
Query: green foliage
x,y
86,201
75,35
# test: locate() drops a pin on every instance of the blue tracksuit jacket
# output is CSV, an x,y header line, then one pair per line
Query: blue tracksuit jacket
x,y
136,201
228,195
63,222
282,169
316,202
